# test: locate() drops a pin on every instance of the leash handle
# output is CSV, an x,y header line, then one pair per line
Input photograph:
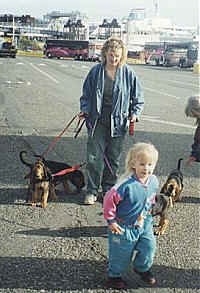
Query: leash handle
x,y
131,128
79,127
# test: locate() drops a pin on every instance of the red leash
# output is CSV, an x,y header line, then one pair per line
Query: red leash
x,y
54,141
68,170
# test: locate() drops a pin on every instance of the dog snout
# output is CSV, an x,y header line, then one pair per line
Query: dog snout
x,y
170,189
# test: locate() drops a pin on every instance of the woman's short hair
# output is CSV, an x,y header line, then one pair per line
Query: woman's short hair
x,y
192,108
114,44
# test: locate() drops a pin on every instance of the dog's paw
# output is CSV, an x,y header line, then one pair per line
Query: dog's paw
x,y
159,232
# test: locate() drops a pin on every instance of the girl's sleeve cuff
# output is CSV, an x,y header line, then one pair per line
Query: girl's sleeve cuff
x,y
111,221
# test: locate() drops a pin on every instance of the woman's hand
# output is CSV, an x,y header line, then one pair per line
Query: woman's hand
x,y
82,115
190,160
115,228
133,118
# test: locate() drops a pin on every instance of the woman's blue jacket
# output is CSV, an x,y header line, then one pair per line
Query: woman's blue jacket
x,y
128,97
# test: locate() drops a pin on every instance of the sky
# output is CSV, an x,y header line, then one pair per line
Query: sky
x,y
181,12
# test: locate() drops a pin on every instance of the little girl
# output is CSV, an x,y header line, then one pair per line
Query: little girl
x,y
126,208
192,109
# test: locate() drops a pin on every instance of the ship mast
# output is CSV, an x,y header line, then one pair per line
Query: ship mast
x,y
156,7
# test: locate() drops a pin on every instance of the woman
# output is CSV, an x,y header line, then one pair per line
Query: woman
x,y
111,97
192,109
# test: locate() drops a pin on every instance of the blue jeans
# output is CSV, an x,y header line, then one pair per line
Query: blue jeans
x,y
122,248
98,172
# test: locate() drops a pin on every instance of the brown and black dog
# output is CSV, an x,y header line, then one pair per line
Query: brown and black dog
x,y
169,193
174,184
40,184
75,177
160,208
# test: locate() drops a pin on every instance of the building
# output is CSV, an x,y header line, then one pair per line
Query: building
x,y
140,29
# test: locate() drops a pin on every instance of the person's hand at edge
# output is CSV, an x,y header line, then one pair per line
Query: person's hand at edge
x,y
115,228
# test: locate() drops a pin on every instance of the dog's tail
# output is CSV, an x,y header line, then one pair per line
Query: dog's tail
x,y
23,160
179,163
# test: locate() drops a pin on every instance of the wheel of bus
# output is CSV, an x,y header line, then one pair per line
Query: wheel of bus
x,y
181,62
157,61
166,63
49,55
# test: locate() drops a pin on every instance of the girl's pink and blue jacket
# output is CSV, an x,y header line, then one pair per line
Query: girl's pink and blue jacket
x,y
128,199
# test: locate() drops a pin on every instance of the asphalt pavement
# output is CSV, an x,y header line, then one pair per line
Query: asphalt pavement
x,y
64,248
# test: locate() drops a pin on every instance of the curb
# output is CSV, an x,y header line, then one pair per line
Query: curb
x,y
31,53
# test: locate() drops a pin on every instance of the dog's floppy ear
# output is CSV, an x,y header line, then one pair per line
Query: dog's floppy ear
x,y
40,161
169,190
47,172
164,188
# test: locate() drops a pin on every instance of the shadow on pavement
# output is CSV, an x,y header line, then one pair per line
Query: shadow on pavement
x,y
75,232
18,196
70,274
171,146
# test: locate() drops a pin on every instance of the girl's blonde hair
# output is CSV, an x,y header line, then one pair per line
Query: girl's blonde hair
x,y
192,108
114,44
146,150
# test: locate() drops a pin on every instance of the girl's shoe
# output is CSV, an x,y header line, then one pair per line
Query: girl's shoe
x,y
90,199
147,277
116,283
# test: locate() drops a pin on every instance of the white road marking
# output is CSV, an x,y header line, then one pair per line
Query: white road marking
x,y
152,119
84,66
184,83
162,93
12,186
44,73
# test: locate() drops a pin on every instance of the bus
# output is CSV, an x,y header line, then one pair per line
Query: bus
x,y
175,53
182,54
60,48
191,56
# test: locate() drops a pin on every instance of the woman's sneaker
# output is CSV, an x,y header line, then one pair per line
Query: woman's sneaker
x,y
90,199
147,277
116,283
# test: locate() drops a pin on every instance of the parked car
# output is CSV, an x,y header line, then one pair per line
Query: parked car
x,y
7,49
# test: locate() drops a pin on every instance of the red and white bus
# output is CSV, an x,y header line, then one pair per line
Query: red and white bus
x,y
60,48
